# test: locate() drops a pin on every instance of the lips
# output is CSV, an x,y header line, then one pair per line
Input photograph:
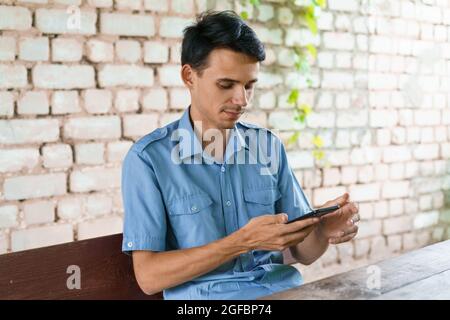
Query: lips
x,y
232,114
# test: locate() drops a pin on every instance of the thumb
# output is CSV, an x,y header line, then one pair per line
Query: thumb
x,y
341,200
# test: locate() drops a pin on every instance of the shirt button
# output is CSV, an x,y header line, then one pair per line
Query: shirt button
x,y
228,203
222,169
193,208
130,244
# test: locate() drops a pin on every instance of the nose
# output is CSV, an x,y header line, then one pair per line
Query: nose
x,y
240,96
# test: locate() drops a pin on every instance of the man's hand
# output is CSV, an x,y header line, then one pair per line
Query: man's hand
x,y
270,232
339,226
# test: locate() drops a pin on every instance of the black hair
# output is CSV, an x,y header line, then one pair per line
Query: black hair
x,y
213,30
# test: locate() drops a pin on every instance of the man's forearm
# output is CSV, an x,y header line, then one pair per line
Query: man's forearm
x,y
310,249
162,270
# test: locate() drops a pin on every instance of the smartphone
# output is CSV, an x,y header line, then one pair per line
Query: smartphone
x,y
316,213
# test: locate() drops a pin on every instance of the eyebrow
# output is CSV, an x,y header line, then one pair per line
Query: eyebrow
x,y
235,81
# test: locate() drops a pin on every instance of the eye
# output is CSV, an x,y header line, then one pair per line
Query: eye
x,y
249,87
225,86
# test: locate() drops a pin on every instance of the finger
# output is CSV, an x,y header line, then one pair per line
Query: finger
x,y
342,239
345,210
350,230
296,237
279,218
354,220
299,225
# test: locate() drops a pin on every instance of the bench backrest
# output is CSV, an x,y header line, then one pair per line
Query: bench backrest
x,y
43,273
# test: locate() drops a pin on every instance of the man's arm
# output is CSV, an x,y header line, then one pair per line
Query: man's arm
x,y
156,271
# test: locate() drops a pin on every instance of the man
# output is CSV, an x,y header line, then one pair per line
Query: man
x,y
212,224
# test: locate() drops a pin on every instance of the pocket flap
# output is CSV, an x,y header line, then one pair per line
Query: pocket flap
x,y
190,204
263,196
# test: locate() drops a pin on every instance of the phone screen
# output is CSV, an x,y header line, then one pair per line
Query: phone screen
x,y
316,213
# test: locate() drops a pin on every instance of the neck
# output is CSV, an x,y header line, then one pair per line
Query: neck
x,y
194,116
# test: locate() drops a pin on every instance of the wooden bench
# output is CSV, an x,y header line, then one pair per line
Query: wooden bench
x,y
106,272
419,275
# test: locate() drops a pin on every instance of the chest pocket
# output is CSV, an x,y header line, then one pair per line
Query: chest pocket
x,y
190,205
192,221
262,201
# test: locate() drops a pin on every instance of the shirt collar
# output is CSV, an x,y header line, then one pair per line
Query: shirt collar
x,y
235,142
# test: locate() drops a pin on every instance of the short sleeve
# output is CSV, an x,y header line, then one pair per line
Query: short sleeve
x,y
145,224
293,200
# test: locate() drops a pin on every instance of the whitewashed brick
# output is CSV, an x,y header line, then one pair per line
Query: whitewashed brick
x,y
70,208
34,49
170,75
116,151
296,37
63,77
100,3
272,36
127,24
97,100
267,100
168,117
156,5
13,76
126,75
128,4
183,6
66,50
127,100
337,80
61,21
94,179
427,117
175,53
338,41
8,216
33,102
365,192
98,204
172,27
354,118
331,177
395,189
6,103
427,219
100,51
156,52
179,98
39,212
285,15
339,5
323,195
155,99
396,154
426,151
369,228
28,131
26,187
99,228
383,118
7,48
41,237
128,51
89,153
57,156
138,125
100,127
13,160
396,225
325,21
15,18
65,102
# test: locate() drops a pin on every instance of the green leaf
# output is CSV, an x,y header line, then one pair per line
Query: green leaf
x,y
293,96
311,23
294,138
255,3
244,15
312,50
317,141
318,154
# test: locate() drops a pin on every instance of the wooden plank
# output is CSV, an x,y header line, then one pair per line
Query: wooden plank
x,y
106,272
436,287
395,273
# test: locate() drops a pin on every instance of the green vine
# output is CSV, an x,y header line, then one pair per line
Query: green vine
x,y
303,56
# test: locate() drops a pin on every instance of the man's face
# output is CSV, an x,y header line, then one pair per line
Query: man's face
x,y
223,89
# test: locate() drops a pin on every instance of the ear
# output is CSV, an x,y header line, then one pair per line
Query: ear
x,y
187,75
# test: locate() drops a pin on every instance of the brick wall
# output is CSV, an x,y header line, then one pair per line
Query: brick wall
x,y
75,94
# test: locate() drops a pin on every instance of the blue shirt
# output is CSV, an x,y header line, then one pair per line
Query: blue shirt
x,y
177,196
